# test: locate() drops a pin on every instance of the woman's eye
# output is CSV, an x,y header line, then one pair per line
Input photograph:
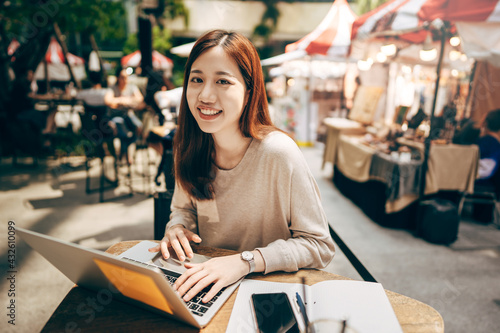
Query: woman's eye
x,y
222,81
196,80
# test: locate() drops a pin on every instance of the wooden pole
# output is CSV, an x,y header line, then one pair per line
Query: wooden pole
x,y
65,53
468,101
93,43
46,74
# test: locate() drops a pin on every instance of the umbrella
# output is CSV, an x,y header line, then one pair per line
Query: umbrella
x,y
55,55
57,69
159,60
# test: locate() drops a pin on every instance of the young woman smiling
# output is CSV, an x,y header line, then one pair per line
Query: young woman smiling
x,y
241,183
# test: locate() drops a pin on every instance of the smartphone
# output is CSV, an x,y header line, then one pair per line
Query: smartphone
x,y
273,313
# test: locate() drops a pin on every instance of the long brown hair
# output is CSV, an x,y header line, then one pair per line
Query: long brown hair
x,y
194,149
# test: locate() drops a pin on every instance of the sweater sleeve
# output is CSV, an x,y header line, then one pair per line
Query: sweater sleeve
x,y
310,245
183,210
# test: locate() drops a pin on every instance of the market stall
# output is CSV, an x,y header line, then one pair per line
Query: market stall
x,y
448,35
429,69
308,85
386,186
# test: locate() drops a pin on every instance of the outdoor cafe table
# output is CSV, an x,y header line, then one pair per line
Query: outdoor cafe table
x,y
117,316
53,103
53,99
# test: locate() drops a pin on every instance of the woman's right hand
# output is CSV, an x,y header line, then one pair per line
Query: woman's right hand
x,y
177,237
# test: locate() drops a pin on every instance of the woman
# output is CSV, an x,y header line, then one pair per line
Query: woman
x,y
123,98
241,184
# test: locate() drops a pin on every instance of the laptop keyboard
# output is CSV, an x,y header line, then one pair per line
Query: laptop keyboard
x,y
195,304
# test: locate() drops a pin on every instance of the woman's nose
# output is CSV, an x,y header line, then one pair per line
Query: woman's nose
x,y
207,94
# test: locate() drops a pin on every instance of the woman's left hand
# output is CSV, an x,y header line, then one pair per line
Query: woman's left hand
x,y
220,272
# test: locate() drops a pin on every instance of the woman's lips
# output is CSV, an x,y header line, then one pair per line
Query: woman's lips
x,y
208,113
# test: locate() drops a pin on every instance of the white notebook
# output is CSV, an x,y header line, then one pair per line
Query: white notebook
x,y
364,305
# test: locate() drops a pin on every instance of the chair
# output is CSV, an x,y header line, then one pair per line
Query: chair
x,y
141,160
166,165
485,204
141,167
99,139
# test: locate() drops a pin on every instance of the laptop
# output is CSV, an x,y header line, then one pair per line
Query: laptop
x,y
137,276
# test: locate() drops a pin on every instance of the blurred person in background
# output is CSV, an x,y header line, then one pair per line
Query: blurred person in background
x,y
123,99
489,149
93,100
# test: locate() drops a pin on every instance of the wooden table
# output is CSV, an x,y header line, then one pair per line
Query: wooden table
x,y
334,128
451,167
83,311
53,99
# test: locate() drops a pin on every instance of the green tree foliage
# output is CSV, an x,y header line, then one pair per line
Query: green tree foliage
x,y
31,22
174,9
25,18
269,20
271,15
364,6
162,36
161,41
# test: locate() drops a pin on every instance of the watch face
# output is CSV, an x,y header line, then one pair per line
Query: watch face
x,y
247,255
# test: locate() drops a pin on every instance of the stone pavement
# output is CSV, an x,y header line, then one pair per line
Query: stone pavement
x,y
461,281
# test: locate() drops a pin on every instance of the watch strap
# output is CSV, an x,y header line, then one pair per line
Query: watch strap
x,y
250,260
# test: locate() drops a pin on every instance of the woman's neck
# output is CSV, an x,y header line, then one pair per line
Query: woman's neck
x,y
230,150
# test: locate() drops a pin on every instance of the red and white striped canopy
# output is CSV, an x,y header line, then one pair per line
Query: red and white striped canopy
x,y
393,16
13,46
159,60
332,36
407,18
55,55
476,22
461,10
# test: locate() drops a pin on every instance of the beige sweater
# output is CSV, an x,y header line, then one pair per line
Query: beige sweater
x,y
269,202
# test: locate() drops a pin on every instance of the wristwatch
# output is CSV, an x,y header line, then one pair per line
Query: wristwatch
x,y
248,257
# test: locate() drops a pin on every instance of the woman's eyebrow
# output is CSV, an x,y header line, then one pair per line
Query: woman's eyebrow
x,y
224,73
197,71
